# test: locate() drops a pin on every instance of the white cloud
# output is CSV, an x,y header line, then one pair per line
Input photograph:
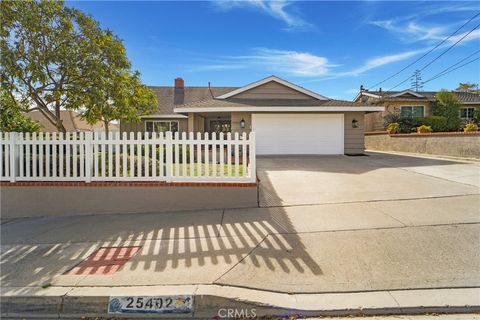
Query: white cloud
x,y
381,61
290,62
276,9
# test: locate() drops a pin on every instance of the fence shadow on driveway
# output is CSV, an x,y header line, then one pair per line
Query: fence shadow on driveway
x,y
176,248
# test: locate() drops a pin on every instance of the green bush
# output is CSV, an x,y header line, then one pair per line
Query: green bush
x,y
476,116
393,128
424,129
448,106
406,125
469,127
437,123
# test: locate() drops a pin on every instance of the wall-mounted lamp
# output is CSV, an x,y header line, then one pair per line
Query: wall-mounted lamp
x,y
354,123
242,123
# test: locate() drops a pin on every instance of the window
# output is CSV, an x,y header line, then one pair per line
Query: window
x,y
161,126
412,111
466,113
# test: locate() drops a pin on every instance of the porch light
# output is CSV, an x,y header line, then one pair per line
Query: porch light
x,y
354,123
242,123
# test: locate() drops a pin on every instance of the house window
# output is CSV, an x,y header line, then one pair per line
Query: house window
x,y
466,113
161,126
412,111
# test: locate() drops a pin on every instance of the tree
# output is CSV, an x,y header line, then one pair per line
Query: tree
x,y
448,106
123,97
11,116
55,57
468,87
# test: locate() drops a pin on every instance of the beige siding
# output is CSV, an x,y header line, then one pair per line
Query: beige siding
x,y
140,126
236,117
354,137
196,123
272,90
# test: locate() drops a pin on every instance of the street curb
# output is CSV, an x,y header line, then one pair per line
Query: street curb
x,y
74,302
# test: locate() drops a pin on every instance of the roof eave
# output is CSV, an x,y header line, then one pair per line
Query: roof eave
x,y
283,109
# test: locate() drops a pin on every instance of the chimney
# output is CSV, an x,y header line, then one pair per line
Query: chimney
x,y
361,88
179,92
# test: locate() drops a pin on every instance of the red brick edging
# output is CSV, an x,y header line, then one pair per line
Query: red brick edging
x,y
459,133
124,184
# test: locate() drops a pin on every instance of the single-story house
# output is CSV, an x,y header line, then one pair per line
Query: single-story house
x,y
72,121
410,103
286,118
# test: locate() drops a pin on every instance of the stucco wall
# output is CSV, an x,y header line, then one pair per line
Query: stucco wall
x,y
454,145
31,201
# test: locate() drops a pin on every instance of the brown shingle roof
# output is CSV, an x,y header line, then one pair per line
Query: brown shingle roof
x,y
220,103
428,95
165,96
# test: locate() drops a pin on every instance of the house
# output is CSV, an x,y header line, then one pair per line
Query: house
x,y
286,118
72,122
410,103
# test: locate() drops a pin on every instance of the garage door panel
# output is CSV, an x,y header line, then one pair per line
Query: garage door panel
x,y
298,133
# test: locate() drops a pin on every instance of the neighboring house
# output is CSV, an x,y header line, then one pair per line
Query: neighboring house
x,y
410,104
71,121
286,118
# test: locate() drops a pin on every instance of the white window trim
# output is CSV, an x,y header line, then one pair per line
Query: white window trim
x,y
413,105
467,118
170,121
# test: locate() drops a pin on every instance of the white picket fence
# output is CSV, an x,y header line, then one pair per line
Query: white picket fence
x,y
88,156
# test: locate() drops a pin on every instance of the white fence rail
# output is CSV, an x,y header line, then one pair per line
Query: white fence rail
x,y
88,156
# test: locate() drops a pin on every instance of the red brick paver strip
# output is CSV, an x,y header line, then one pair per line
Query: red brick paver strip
x,y
104,261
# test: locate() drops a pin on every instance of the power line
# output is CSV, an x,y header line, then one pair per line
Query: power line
x,y
444,73
438,57
455,64
438,45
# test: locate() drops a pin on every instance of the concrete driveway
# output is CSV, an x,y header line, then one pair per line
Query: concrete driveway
x,y
302,180
327,224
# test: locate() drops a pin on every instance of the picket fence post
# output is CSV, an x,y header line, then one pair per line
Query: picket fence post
x,y
13,156
169,156
88,156
252,157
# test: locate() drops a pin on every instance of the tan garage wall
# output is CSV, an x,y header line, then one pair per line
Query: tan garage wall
x,y
354,137
354,141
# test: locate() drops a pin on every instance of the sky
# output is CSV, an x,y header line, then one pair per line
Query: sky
x,y
330,47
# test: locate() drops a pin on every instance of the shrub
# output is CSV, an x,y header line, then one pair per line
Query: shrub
x,y
393,128
476,116
469,127
407,125
424,129
438,123
448,106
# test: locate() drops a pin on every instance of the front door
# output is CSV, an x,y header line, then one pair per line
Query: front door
x,y
220,126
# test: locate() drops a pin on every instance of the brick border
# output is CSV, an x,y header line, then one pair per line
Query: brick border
x,y
433,134
124,184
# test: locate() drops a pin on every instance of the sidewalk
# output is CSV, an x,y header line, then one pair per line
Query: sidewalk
x,y
310,260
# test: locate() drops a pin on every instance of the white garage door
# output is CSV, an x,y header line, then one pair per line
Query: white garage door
x,y
298,133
